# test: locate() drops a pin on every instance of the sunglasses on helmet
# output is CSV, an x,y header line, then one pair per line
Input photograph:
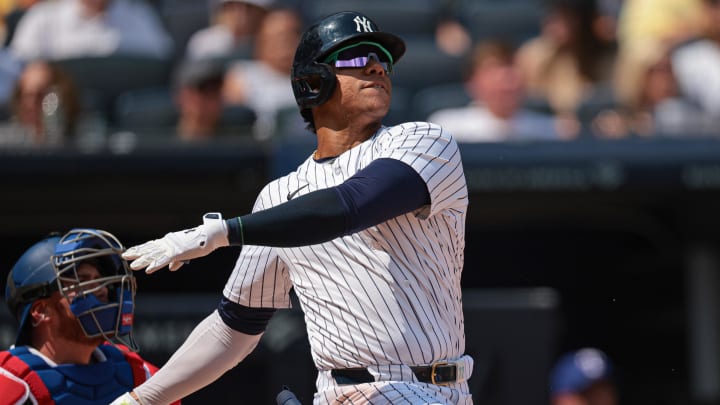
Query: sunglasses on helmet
x,y
359,54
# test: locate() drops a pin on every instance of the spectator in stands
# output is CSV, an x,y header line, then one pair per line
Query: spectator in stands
x,y
606,22
649,100
45,108
10,69
13,17
452,35
63,29
583,377
671,21
496,112
198,95
568,61
6,6
697,63
235,24
261,83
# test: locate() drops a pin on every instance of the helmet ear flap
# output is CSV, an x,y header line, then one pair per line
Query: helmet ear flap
x,y
313,84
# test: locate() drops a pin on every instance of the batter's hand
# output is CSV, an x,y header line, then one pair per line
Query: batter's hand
x,y
176,248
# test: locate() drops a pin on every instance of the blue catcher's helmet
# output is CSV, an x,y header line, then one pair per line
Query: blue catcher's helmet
x,y
102,300
31,278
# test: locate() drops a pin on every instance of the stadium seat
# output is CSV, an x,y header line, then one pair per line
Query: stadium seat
x,y
145,110
400,108
402,17
153,110
289,124
512,20
601,98
182,18
237,121
101,80
425,65
431,99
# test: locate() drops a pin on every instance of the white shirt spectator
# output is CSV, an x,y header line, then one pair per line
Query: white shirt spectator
x,y
266,90
697,68
475,123
61,29
212,42
235,23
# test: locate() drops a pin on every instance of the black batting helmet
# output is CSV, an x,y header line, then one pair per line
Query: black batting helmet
x,y
313,81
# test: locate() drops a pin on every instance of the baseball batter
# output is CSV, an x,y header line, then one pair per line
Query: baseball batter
x,y
369,231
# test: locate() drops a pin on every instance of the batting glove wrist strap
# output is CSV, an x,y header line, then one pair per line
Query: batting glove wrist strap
x,y
177,248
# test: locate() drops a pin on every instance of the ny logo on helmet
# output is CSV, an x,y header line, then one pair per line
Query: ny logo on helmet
x,y
362,24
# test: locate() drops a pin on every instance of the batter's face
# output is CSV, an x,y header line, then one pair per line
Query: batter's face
x,y
363,91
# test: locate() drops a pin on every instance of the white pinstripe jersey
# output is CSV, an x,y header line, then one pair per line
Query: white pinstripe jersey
x,y
389,294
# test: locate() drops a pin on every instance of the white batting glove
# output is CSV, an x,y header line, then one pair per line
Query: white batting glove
x,y
125,399
176,248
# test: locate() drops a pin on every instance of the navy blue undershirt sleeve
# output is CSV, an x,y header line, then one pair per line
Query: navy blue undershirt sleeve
x,y
251,321
385,189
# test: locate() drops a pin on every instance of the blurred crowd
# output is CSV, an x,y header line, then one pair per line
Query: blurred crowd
x,y
84,71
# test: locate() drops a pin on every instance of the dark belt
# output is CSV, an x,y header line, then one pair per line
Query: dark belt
x,y
438,374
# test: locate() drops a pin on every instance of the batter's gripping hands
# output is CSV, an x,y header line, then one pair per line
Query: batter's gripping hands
x,y
176,248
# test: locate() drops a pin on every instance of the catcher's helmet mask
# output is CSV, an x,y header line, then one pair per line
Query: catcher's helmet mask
x,y
313,80
51,265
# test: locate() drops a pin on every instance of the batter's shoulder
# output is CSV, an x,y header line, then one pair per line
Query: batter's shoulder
x,y
424,129
416,128
415,125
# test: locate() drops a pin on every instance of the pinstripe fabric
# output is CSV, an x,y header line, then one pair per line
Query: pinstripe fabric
x,y
389,294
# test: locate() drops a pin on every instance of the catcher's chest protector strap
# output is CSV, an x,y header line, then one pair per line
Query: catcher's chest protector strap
x,y
21,370
138,366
